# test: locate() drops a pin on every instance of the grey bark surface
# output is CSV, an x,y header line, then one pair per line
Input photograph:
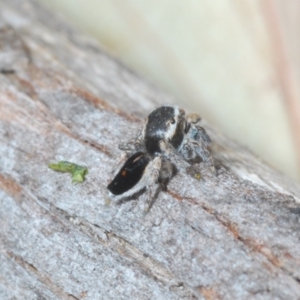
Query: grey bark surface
x,y
233,236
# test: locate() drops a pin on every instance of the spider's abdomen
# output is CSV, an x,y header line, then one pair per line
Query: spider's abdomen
x,y
130,174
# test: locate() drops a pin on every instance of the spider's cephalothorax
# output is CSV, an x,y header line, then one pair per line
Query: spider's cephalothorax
x,y
170,140
164,123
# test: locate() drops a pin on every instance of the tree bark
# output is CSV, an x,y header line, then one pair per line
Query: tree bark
x,y
231,236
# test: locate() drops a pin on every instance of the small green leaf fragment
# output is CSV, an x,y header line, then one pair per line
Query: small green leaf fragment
x,y
62,166
78,172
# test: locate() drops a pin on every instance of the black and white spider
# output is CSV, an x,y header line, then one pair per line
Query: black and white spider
x,y
170,141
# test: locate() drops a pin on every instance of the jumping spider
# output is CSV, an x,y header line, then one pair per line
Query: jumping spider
x,y
170,141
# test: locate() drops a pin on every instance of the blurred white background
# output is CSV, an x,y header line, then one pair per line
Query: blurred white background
x,y
236,62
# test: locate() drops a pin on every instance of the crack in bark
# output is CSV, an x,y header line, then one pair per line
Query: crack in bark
x,y
58,123
233,229
99,103
45,280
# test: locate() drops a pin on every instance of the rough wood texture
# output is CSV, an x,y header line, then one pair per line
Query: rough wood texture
x,y
234,236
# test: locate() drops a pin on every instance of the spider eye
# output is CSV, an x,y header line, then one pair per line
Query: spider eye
x,y
172,121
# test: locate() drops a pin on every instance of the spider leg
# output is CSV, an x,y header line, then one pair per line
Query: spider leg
x,y
170,153
204,147
135,144
151,180
196,146
159,177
